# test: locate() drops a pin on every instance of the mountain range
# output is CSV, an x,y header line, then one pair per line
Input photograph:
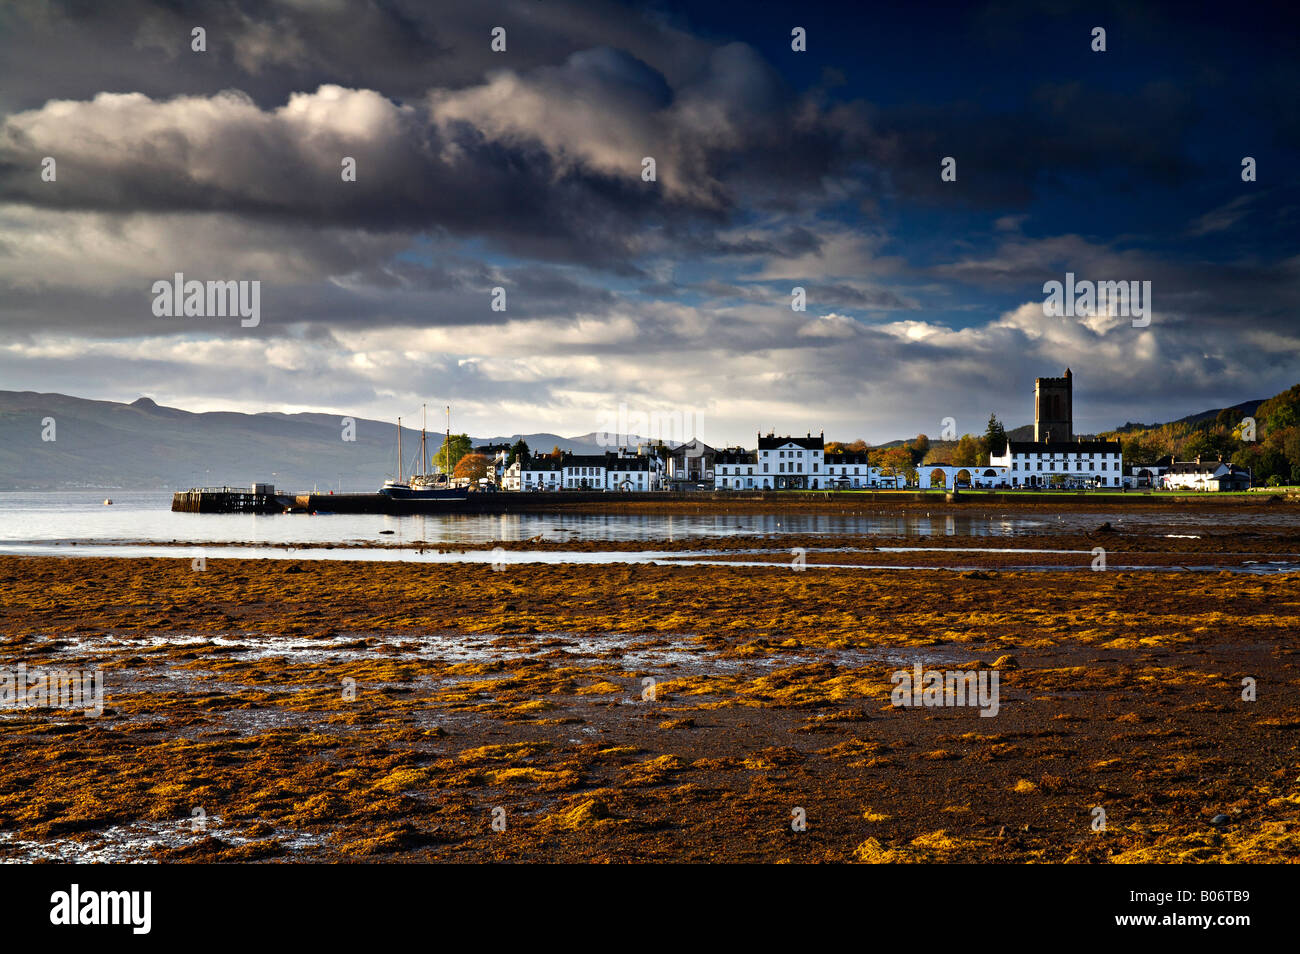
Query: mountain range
x,y
58,442
144,445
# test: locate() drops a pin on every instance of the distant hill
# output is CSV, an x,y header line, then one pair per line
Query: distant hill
x,y
1244,408
144,445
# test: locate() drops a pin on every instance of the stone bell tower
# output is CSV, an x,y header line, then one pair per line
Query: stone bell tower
x,y
1054,409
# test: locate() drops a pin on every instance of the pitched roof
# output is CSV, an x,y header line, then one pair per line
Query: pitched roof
x,y
587,460
807,443
1069,448
692,448
539,463
735,456
628,464
1207,467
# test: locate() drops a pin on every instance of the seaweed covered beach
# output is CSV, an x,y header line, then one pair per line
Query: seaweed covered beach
x,y
290,710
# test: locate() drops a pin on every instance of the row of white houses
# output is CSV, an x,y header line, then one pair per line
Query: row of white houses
x,y
1200,474
802,463
796,463
597,472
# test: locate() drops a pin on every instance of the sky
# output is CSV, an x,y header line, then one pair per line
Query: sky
x,y
665,303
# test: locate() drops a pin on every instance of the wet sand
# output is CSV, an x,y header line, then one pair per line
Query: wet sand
x,y
347,710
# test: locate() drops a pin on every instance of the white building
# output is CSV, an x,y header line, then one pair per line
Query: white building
x,y
633,474
733,469
601,472
497,455
533,473
952,476
780,463
789,463
1212,475
1144,476
850,470
1061,464
784,463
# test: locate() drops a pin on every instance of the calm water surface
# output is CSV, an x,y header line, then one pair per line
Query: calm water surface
x,y
141,524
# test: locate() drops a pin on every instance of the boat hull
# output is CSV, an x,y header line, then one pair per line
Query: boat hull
x,y
452,495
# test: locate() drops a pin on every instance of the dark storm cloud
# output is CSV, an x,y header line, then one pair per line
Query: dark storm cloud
x,y
65,49
545,164
1197,294
524,170
1007,158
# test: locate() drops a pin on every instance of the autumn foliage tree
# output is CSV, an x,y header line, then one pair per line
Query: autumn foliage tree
x,y
471,467
897,460
968,452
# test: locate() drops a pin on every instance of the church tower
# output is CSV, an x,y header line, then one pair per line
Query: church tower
x,y
1054,409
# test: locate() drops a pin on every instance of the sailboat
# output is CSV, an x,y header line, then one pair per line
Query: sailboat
x,y
422,485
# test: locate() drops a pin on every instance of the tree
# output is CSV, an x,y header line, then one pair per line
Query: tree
x,y
834,447
1200,444
471,467
452,451
1140,449
517,451
967,452
1281,410
896,460
995,437
920,447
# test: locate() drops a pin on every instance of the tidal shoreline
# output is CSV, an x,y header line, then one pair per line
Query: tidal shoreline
x,y
524,691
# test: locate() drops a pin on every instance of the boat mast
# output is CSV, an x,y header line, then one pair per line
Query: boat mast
x,y
424,456
446,447
399,450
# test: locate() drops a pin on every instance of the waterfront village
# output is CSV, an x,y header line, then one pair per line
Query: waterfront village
x,y
1054,459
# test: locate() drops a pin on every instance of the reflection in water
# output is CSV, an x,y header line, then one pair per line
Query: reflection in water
x,y
146,518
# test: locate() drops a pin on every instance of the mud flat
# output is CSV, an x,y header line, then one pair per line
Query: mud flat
x,y
347,710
